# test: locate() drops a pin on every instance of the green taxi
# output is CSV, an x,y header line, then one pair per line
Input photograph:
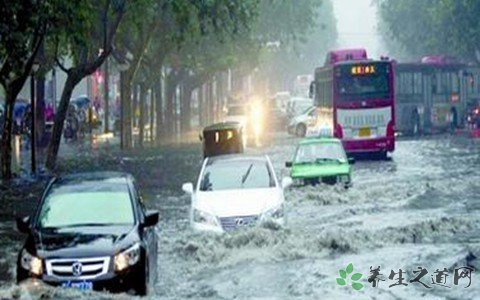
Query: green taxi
x,y
321,160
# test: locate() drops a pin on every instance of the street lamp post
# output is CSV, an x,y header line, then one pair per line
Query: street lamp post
x,y
33,136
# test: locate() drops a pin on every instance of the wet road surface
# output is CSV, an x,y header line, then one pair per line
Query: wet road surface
x,y
421,208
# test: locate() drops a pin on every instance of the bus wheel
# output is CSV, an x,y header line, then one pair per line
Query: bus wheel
x,y
301,130
382,155
415,123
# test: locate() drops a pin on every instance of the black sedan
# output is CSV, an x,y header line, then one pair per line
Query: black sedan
x,y
91,231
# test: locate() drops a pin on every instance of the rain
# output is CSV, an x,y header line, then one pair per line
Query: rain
x,y
204,116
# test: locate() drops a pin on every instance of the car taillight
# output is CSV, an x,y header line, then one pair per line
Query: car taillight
x,y
338,131
390,129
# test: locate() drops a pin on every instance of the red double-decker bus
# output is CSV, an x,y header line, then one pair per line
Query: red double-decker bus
x,y
357,95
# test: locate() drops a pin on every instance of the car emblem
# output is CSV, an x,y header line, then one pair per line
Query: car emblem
x,y
77,268
364,103
239,222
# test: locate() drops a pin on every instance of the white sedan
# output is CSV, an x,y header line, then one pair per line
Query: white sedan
x,y
236,191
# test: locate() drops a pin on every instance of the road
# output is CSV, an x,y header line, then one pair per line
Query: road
x,y
421,208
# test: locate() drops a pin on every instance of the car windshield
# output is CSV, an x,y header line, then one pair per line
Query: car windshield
x,y
306,110
86,207
242,174
320,152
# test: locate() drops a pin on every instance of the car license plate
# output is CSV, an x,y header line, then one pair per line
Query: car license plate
x,y
82,285
363,132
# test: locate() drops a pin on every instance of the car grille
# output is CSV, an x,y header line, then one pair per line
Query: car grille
x,y
232,223
77,268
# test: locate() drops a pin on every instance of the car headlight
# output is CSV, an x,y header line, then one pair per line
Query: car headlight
x,y
275,213
204,218
344,178
127,258
31,263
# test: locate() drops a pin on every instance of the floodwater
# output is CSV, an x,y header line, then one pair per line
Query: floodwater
x,y
419,209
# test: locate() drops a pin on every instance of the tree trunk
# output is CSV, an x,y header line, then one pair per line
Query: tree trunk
x,y
40,111
7,136
201,106
142,101
158,110
209,103
73,78
152,116
169,109
135,106
126,110
106,93
186,109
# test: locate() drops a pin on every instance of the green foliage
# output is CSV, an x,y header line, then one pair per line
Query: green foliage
x,y
84,29
412,28
22,26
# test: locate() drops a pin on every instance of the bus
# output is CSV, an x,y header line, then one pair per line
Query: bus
x,y
431,91
356,97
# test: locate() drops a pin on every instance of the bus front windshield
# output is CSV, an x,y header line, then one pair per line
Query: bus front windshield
x,y
354,83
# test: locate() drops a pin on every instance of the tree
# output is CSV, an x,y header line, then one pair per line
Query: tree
x,y
173,24
412,29
23,26
408,27
87,37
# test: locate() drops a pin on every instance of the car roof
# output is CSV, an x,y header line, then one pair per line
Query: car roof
x,y
97,177
236,158
222,126
315,140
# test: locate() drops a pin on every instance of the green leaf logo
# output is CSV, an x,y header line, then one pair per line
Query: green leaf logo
x,y
344,273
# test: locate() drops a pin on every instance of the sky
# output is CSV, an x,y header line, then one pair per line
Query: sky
x,y
356,25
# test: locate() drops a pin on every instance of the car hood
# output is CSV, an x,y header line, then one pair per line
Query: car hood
x,y
319,170
84,241
241,202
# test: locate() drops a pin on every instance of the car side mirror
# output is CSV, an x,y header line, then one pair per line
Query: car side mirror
x,y
286,182
23,224
288,164
151,218
188,188
351,160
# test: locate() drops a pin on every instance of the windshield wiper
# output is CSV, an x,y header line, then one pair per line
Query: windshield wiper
x,y
245,176
321,160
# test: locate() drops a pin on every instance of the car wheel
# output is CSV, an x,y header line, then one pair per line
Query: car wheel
x,y
301,130
143,282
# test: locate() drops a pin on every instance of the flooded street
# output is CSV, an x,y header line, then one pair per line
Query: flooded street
x,y
421,208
